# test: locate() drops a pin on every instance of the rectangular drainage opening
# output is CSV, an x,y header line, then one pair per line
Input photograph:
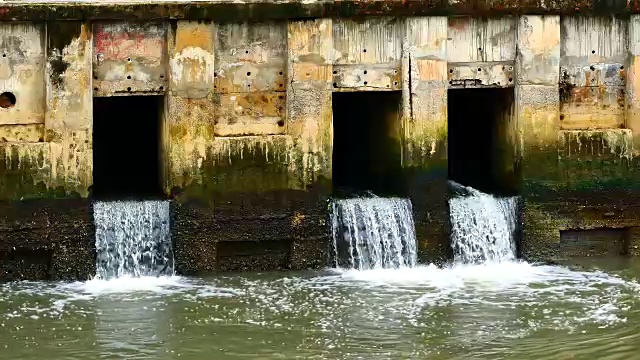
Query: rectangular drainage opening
x,y
127,147
481,140
366,143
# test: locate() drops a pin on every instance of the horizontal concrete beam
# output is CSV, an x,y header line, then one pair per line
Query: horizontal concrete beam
x,y
220,10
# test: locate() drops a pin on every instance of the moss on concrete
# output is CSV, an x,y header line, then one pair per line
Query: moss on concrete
x,y
225,11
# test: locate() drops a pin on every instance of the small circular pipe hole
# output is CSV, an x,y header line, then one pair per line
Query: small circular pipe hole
x,y
593,51
162,76
364,50
479,69
365,72
248,73
335,85
129,59
128,89
280,73
7,100
128,77
161,88
510,79
451,71
365,83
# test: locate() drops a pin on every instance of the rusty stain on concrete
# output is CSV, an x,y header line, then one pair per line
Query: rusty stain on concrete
x,y
129,58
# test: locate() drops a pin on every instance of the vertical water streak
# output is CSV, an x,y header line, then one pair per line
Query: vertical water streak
x,y
132,239
483,227
373,233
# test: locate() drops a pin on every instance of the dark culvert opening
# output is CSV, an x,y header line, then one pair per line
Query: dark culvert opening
x,y
481,140
366,143
127,147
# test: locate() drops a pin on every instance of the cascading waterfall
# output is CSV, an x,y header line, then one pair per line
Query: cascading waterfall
x,y
482,226
132,239
373,233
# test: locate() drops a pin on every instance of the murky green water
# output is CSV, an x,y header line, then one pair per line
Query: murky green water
x,y
505,311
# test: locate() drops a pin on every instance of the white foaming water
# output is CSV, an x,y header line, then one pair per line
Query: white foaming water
x,y
482,227
373,233
132,239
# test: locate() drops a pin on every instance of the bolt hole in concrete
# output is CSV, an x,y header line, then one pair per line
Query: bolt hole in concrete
x,y
129,77
129,59
248,73
7,100
366,143
479,148
365,72
128,89
127,147
4,55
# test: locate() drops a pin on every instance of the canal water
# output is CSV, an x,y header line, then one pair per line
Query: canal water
x,y
377,305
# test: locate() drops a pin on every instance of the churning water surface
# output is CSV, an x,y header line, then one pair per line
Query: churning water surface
x,y
478,307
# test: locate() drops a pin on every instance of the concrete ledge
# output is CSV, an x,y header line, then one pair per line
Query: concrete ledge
x,y
264,9
587,215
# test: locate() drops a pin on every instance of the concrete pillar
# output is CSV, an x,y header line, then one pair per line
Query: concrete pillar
x,y
537,112
69,131
424,71
310,45
309,124
632,120
188,135
69,108
190,107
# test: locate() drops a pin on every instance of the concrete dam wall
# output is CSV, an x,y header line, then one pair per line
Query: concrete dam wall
x,y
250,117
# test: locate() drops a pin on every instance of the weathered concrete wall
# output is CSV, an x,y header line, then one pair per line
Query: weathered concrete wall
x,y
130,58
45,238
49,153
247,130
579,167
